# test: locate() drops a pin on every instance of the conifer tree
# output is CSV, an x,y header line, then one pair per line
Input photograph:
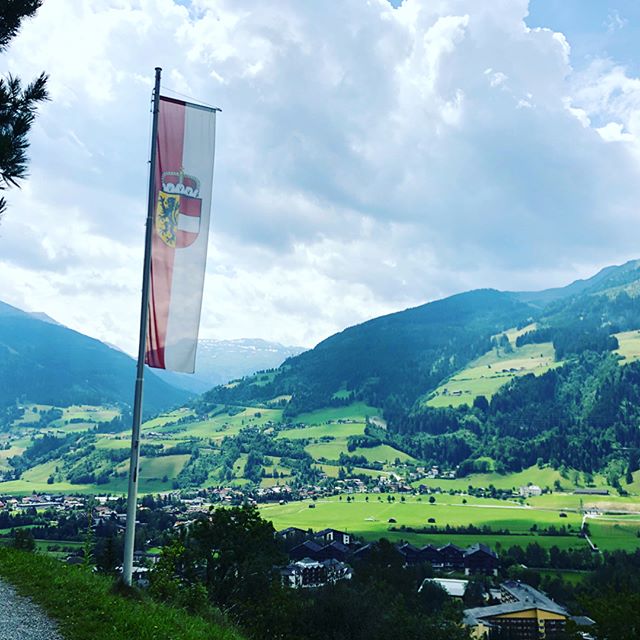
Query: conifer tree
x,y
18,103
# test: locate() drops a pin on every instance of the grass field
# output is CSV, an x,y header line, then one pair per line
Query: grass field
x,y
89,414
324,430
491,371
220,426
615,534
371,519
356,411
545,477
166,418
5,454
331,451
332,471
628,345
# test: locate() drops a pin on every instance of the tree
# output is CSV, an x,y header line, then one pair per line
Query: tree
x,y
231,553
18,104
23,539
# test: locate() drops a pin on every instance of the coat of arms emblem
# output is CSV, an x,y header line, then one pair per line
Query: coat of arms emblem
x,y
178,210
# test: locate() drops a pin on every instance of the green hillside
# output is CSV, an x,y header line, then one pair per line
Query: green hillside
x,y
86,605
479,382
491,371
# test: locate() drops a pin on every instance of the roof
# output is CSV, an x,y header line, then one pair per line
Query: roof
x,y
454,588
526,598
452,547
479,547
407,547
472,616
526,594
583,621
325,531
309,545
306,562
284,532
337,545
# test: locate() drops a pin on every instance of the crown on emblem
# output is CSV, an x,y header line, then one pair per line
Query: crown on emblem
x,y
180,182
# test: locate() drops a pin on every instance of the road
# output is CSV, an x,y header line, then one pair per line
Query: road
x,y
21,619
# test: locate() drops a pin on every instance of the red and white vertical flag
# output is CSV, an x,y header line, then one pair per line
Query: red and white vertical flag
x,y
182,184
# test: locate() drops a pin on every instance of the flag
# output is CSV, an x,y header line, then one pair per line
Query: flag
x,y
182,186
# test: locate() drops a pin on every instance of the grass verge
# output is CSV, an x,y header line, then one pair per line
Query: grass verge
x,y
85,605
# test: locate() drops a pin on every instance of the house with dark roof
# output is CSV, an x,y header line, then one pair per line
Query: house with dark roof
x,y
478,558
308,549
291,532
331,535
409,553
452,556
429,553
334,551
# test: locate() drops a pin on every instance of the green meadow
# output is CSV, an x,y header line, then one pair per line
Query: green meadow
x,y
370,519
542,477
323,431
357,411
628,345
485,375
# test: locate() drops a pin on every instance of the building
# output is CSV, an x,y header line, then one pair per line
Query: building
x,y
523,614
410,554
430,554
307,549
530,490
478,558
333,535
452,556
308,573
454,588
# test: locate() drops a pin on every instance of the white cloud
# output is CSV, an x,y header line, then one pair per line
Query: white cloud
x,y
615,22
369,158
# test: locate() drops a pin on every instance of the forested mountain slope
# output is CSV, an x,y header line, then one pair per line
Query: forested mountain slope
x,y
389,360
45,362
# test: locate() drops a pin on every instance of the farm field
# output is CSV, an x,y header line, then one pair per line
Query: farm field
x,y
356,411
333,470
615,534
485,375
371,521
217,426
545,477
5,454
86,413
323,431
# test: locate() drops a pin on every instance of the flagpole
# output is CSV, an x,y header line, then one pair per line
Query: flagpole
x,y
132,494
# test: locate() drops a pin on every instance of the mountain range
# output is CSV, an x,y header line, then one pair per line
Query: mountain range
x,y
43,361
219,361
397,358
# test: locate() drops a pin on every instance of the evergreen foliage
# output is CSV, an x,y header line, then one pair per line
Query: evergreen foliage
x,y
18,103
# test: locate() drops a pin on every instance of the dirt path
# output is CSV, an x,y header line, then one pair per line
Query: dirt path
x,y
21,619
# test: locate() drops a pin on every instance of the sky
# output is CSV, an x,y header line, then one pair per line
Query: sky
x,y
371,156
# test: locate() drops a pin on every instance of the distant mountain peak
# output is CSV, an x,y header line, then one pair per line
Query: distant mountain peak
x,y
219,361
